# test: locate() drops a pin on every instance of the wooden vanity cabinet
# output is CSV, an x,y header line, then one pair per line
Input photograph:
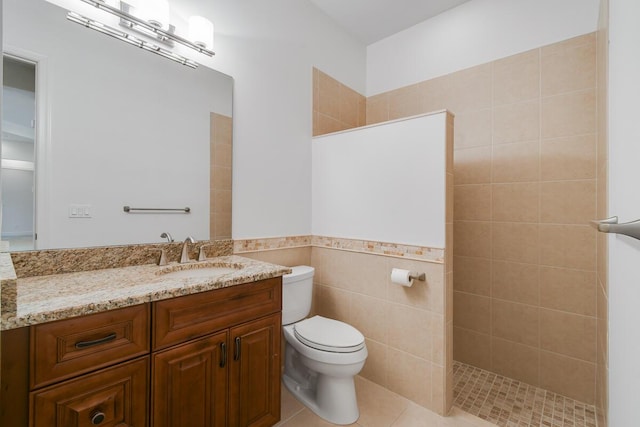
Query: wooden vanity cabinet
x,y
210,359
231,375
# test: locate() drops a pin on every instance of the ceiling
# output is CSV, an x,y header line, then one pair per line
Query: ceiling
x,y
373,20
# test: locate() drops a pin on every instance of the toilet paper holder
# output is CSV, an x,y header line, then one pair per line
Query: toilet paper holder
x,y
418,276
406,278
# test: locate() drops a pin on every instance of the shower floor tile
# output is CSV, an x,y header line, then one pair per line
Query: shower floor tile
x,y
510,403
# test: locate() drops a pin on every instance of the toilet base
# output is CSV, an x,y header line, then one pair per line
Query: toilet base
x,y
323,381
333,399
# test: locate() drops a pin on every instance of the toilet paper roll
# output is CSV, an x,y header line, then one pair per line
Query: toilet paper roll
x,y
401,277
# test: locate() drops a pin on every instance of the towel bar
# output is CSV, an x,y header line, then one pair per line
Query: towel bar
x,y
130,209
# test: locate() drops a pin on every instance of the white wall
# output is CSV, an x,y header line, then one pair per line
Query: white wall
x,y
383,182
624,175
270,48
474,33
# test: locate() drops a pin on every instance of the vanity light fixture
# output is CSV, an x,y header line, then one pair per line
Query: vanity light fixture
x,y
155,25
128,38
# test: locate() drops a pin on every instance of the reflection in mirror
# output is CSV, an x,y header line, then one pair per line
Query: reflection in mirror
x,y
118,126
18,153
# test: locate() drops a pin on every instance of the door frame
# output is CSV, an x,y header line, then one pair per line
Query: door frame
x,y
43,170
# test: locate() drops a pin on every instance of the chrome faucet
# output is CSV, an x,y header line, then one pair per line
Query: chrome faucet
x,y
163,257
202,255
185,249
167,236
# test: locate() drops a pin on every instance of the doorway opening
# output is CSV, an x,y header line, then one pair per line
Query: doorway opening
x,y
18,166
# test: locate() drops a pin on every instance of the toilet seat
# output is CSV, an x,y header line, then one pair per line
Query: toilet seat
x,y
328,335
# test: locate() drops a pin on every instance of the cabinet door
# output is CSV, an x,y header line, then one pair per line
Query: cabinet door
x,y
190,384
115,396
254,390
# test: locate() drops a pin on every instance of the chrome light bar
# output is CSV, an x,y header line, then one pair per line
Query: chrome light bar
x,y
128,38
147,26
124,7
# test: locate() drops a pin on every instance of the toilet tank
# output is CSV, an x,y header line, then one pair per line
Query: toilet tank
x,y
297,290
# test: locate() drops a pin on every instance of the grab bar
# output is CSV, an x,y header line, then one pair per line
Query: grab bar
x,y
610,225
130,209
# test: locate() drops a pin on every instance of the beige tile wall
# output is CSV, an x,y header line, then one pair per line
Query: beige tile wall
x,y
406,329
602,365
526,165
220,176
336,107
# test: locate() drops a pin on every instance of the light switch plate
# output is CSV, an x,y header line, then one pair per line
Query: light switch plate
x,y
79,211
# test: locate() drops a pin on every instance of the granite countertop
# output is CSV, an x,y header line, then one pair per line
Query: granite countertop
x,y
32,300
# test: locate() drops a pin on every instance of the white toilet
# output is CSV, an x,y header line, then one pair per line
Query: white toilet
x,y
322,355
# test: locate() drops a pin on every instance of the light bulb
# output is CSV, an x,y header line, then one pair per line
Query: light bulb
x,y
201,31
155,12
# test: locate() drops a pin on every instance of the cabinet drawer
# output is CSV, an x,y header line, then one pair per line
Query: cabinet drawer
x,y
66,348
115,396
180,319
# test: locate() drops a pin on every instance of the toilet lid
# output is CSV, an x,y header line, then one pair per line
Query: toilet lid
x,y
328,335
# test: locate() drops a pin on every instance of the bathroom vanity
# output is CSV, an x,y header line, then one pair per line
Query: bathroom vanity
x,y
174,350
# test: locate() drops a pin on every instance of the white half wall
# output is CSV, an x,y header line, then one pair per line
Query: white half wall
x,y
474,33
383,182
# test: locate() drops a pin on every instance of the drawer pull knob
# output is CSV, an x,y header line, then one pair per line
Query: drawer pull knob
x,y
223,354
236,353
85,344
97,417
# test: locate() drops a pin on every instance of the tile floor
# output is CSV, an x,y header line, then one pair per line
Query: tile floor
x,y
511,403
379,407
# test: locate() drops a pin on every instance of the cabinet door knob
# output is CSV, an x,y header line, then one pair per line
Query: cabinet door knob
x,y
97,417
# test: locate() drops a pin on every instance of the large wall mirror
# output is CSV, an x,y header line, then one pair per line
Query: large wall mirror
x,y
111,126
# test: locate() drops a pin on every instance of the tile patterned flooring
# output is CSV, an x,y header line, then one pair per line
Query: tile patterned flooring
x,y
379,407
481,399
510,403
